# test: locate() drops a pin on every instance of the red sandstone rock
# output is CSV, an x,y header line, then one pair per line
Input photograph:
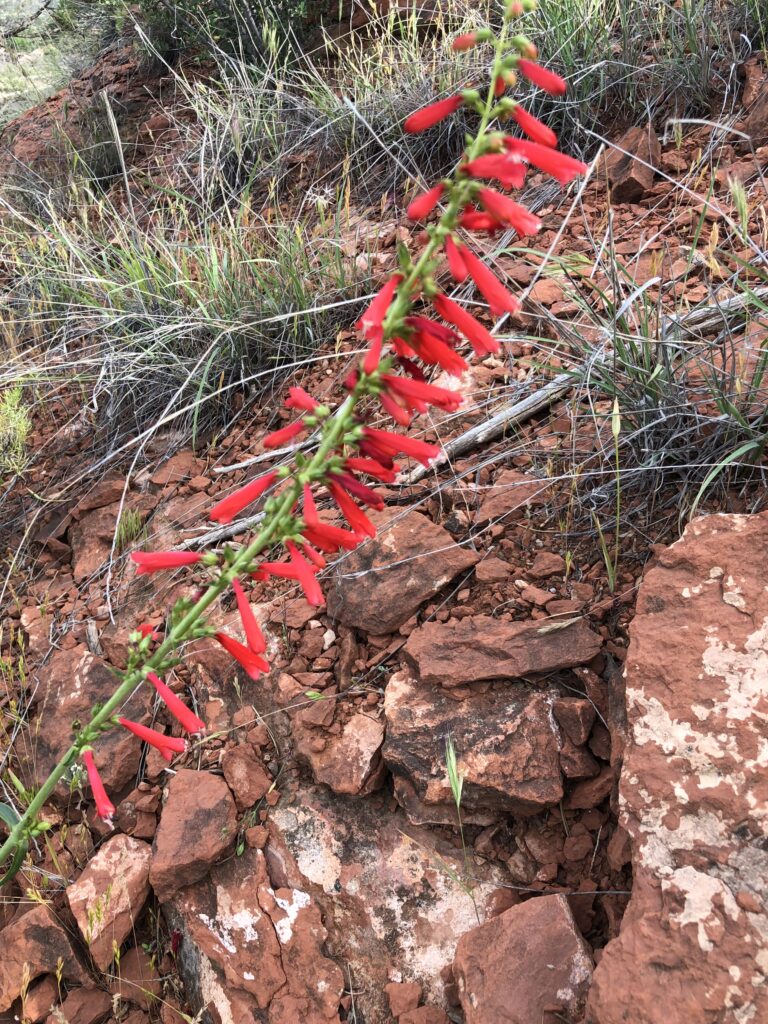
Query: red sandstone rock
x,y
108,897
381,584
41,996
505,744
349,762
402,996
575,717
137,981
32,945
424,1015
70,683
511,495
694,787
84,1006
547,563
631,173
458,652
252,949
197,826
245,775
520,966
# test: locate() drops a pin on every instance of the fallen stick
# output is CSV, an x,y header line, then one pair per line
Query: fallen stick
x,y
516,412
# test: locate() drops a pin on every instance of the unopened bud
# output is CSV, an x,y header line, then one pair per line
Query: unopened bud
x,y
515,9
524,46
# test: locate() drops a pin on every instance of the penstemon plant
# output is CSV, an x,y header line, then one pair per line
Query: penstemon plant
x,y
400,336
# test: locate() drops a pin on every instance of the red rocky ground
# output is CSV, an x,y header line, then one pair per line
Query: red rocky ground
x,y
304,863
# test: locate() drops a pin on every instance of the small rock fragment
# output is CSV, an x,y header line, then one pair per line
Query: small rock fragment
x,y
108,897
381,584
245,775
32,945
529,960
198,825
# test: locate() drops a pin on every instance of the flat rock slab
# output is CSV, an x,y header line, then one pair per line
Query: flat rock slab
x,y
252,949
506,744
630,167
69,685
694,787
32,945
198,826
524,966
383,582
108,897
480,647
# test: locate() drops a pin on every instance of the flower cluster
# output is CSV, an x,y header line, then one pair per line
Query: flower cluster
x,y
320,506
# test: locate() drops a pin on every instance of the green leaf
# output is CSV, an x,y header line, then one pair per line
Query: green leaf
x,y
9,815
18,860
744,449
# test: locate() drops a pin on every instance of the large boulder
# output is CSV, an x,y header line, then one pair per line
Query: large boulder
x,y
694,787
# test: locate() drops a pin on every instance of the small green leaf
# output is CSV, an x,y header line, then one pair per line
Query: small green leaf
x,y
18,860
9,815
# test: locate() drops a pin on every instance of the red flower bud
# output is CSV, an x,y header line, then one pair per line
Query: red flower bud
x,y
167,745
432,114
456,264
542,77
253,664
371,323
533,127
465,42
563,168
279,437
183,715
155,561
298,398
104,806
423,205
509,212
253,633
231,506
499,299
479,338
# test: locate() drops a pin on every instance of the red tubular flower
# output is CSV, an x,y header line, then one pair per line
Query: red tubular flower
x,y
306,576
456,264
372,357
371,323
509,212
155,561
357,519
167,745
475,220
542,77
298,398
279,437
423,205
324,536
183,715
147,629
417,395
465,42
253,633
397,444
437,353
563,168
359,490
533,127
104,806
253,664
234,503
438,330
314,556
479,338
371,467
507,169
432,114
499,299
392,408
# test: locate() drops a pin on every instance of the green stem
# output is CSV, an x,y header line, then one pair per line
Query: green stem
x,y
333,433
